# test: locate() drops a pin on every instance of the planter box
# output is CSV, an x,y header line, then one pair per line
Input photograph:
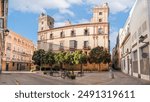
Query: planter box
x,y
72,77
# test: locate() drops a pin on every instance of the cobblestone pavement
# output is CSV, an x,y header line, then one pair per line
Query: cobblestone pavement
x,y
104,78
92,78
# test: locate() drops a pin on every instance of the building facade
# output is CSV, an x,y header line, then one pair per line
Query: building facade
x,y
75,37
116,54
125,48
18,53
135,39
4,11
3,27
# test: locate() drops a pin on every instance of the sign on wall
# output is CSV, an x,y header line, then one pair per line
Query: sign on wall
x,y
144,55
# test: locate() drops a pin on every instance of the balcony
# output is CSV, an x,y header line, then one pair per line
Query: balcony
x,y
13,59
51,37
86,32
72,45
61,48
73,34
8,48
72,49
62,35
86,47
14,51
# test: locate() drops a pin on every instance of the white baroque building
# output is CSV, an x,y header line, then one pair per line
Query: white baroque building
x,y
75,37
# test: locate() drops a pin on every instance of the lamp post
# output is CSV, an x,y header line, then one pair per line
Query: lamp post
x,y
142,38
3,34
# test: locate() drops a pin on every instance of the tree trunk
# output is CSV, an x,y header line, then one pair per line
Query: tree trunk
x,y
81,69
72,69
50,67
99,65
40,66
108,65
94,66
61,65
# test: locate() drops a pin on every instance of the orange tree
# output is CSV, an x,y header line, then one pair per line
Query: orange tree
x,y
107,57
98,55
49,59
69,59
80,58
60,58
38,57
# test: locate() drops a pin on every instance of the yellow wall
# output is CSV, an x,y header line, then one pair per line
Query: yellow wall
x,y
13,67
89,67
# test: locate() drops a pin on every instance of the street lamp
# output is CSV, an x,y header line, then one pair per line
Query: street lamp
x,y
142,38
3,34
6,32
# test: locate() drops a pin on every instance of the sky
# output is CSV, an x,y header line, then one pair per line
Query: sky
x,y
23,14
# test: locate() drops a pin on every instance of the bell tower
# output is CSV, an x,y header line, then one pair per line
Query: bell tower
x,y
100,13
45,22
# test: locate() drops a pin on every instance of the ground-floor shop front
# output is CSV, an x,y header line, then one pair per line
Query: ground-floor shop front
x,y
16,66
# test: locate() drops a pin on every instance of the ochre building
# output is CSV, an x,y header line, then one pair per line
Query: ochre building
x,y
18,53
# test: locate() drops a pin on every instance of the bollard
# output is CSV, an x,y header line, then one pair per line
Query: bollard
x,y
111,74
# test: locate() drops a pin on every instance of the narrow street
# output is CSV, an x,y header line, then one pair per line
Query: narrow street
x,y
95,78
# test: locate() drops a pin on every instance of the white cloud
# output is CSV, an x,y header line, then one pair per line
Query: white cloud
x,y
59,24
115,5
38,6
58,17
75,1
84,21
67,11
